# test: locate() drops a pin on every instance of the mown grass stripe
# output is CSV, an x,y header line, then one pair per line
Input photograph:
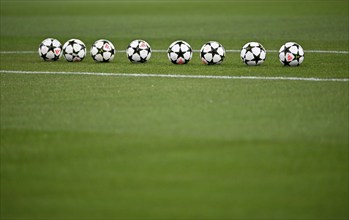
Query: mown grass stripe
x,y
180,76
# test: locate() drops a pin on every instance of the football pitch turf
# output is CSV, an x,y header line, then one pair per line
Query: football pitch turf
x,y
78,146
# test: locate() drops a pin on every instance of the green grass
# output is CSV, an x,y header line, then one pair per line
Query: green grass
x,y
93,147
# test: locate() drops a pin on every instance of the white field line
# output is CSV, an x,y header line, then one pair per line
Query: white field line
x,y
196,51
180,76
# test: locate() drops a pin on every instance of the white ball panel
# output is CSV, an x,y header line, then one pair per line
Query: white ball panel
x,y
81,54
69,49
249,56
44,49
130,51
263,55
93,51
289,44
143,53
216,58
187,55
260,62
56,43
294,49
220,51
136,57
214,45
134,43
107,55
293,63
207,48
184,47
301,51
148,57
68,57
208,57
282,56
77,47
99,44
173,56
301,60
175,48
251,63
50,55
256,51
47,42
99,57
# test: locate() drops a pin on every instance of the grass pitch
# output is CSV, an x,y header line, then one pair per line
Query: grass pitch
x,y
93,147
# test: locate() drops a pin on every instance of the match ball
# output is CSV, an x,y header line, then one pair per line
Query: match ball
x,y
74,50
138,51
212,53
253,54
102,51
50,49
179,52
291,54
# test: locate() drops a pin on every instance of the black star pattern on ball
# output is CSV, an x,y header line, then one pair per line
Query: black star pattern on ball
x,y
43,55
49,48
202,54
71,43
134,51
143,60
180,53
249,48
285,51
138,50
75,54
256,58
213,52
83,47
101,51
297,56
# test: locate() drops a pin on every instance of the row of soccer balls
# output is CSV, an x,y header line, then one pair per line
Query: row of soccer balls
x,y
179,52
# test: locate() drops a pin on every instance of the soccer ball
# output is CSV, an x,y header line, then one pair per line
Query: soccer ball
x,y
50,49
291,54
253,54
138,51
179,52
102,51
212,53
74,50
